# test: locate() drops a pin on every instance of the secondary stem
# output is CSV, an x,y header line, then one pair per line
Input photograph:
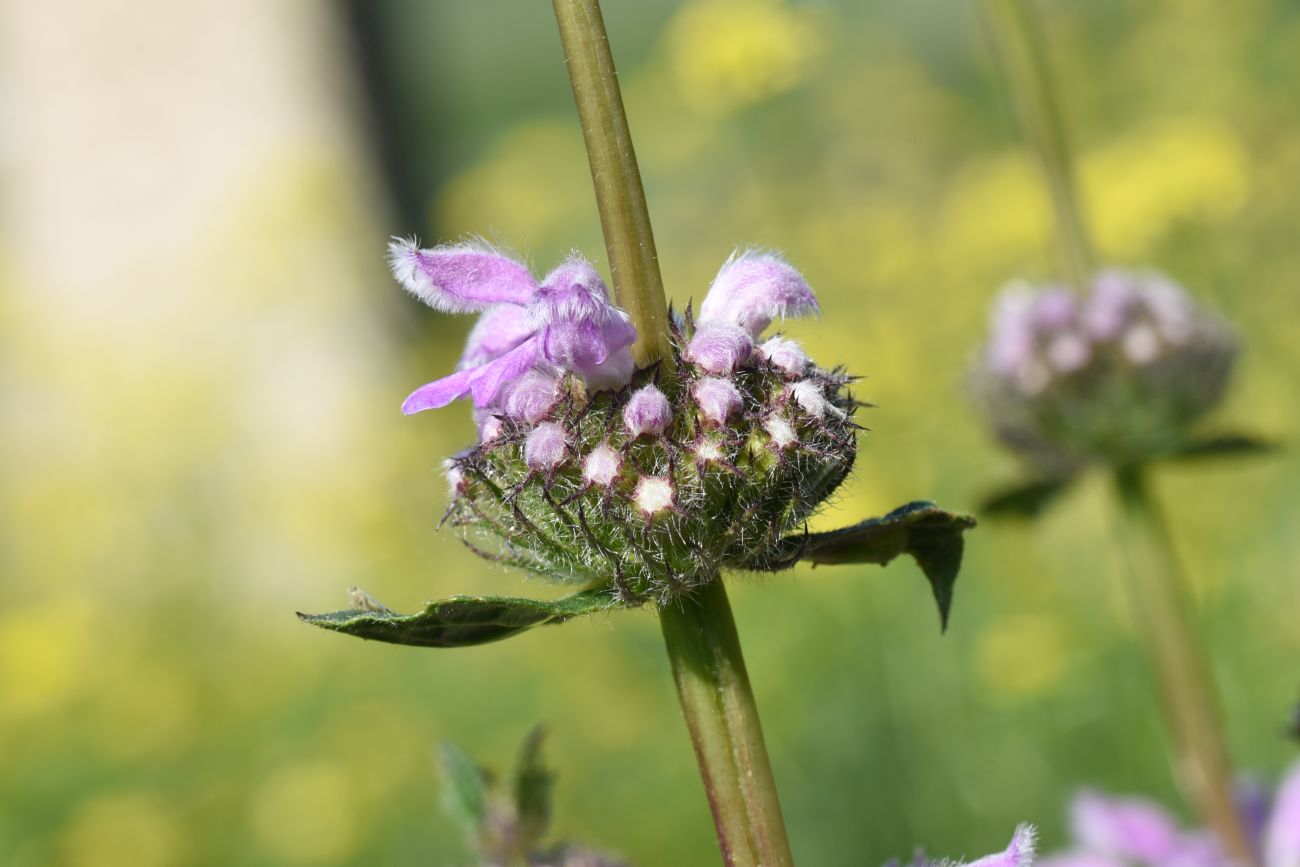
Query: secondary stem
x,y
1018,42
1164,619
699,631
620,198
720,712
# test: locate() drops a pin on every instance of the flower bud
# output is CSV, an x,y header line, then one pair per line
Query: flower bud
x,y
647,412
545,447
718,399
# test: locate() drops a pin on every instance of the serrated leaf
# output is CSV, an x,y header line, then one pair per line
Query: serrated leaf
x,y
462,621
533,782
464,791
1024,500
1222,446
931,535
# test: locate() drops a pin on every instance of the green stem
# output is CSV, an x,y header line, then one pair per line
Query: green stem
x,y
723,720
624,217
1018,42
1163,616
699,631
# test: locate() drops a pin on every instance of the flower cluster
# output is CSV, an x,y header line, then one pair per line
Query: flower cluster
x,y
1131,832
1115,377
591,471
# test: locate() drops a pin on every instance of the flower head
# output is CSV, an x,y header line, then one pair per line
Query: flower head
x,y
648,481
564,324
1115,377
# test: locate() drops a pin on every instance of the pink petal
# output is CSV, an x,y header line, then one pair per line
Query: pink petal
x,y
1281,844
1128,829
1019,853
719,347
754,288
460,278
498,330
484,382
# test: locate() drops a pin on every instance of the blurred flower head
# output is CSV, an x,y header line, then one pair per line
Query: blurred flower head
x,y
1020,852
647,481
1115,377
1132,832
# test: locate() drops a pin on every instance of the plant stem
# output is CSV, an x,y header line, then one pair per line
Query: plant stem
x,y
699,631
723,720
1163,616
1018,42
620,198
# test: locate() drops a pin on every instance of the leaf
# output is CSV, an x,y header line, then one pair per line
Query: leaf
x,y
464,790
1024,500
462,621
533,783
1223,446
931,535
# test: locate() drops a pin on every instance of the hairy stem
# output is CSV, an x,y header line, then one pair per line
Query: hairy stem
x,y
624,217
713,686
1018,42
1163,616
699,631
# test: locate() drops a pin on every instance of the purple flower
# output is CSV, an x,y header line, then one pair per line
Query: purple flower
x,y
1118,832
565,323
647,412
754,288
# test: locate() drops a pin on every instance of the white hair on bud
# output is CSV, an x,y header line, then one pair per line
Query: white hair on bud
x,y
653,494
782,433
601,466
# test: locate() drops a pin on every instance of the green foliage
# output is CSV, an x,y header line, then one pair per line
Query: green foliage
x,y
462,620
464,790
932,536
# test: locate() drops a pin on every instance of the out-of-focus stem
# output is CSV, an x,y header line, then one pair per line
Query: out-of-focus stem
x,y
699,631
716,698
1017,38
1163,616
624,217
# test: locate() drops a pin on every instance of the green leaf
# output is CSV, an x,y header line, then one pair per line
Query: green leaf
x,y
1223,446
931,535
462,621
464,791
533,783
1024,500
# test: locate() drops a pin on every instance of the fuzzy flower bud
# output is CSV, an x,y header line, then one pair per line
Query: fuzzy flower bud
x,y
545,447
1115,377
601,467
647,412
653,495
718,399
784,354
719,348
530,397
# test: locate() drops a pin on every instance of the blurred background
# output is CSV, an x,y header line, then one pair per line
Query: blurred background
x,y
203,357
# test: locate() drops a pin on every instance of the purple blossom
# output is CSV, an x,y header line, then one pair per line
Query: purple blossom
x,y
565,323
530,397
1119,832
754,288
647,412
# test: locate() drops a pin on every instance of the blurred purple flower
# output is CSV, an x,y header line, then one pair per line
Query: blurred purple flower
x,y
1120,832
564,323
1020,852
